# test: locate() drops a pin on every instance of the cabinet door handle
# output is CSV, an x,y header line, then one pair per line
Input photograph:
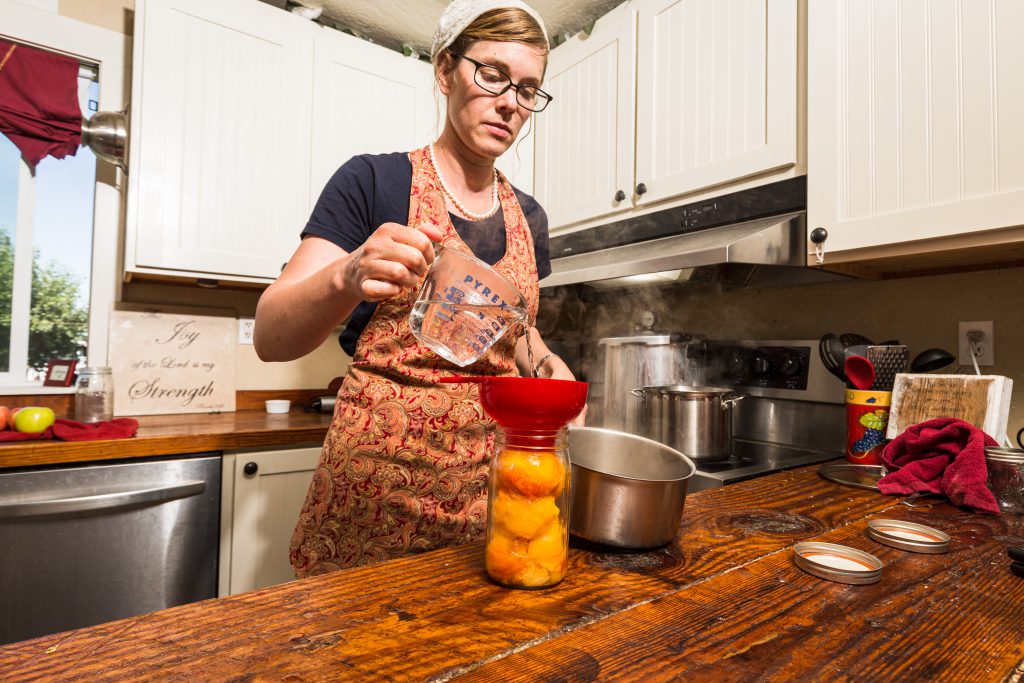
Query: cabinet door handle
x,y
641,189
620,195
103,501
251,468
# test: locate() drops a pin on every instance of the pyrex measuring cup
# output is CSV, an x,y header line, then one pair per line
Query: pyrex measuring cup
x,y
464,306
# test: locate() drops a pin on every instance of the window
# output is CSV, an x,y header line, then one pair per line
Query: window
x,y
46,232
61,224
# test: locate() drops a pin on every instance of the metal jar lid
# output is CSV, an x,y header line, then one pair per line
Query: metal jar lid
x,y
916,538
1011,455
838,563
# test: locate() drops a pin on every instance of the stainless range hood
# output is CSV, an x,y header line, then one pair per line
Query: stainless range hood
x,y
765,226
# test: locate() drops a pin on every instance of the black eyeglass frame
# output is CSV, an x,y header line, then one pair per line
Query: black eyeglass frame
x,y
510,84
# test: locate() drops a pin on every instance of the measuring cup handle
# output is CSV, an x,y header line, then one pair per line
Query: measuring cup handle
x,y
1019,442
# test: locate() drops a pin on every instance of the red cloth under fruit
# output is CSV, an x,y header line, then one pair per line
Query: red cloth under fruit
x,y
69,430
945,456
39,108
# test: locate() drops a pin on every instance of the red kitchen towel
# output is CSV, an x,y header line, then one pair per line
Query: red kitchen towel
x,y
69,430
945,456
39,108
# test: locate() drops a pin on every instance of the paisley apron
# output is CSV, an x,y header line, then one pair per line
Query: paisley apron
x,y
404,465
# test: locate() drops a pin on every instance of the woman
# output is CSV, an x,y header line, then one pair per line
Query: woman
x,y
404,465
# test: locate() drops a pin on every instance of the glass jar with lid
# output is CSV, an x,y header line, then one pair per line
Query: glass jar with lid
x,y
94,394
527,529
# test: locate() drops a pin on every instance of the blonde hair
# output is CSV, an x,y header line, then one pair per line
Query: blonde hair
x,y
505,25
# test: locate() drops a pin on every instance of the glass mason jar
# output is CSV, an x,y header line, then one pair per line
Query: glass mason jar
x,y
94,394
528,508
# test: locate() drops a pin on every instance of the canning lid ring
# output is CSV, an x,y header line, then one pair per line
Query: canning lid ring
x,y
839,563
916,538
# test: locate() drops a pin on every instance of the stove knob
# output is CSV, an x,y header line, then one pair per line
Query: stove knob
x,y
737,367
790,367
762,366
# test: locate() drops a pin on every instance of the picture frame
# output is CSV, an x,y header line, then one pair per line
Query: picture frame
x,y
60,373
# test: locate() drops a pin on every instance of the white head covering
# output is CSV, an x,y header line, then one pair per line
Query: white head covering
x,y
461,13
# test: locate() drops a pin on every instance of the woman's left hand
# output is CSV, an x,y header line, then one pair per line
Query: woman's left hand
x,y
555,368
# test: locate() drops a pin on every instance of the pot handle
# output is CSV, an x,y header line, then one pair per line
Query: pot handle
x,y
729,402
639,393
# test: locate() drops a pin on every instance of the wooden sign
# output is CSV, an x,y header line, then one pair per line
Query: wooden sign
x,y
982,400
168,361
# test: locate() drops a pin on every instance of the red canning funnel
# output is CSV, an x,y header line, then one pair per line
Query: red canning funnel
x,y
530,403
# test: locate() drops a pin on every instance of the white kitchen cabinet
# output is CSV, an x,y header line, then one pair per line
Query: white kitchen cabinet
x,y
584,145
915,140
712,87
261,496
716,93
366,100
220,138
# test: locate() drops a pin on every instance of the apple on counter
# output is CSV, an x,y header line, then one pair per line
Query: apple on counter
x,y
31,419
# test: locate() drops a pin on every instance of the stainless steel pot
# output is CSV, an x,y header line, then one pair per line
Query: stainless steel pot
x,y
694,420
626,491
644,360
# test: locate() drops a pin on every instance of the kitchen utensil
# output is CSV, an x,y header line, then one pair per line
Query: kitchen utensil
x,y
860,371
640,361
696,421
888,361
528,402
626,491
1016,554
464,306
853,339
861,476
1017,568
931,359
106,134
982,400
322,404
831,351
1006,478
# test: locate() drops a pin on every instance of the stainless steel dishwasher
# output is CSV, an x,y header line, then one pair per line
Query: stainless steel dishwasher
x,y
83,545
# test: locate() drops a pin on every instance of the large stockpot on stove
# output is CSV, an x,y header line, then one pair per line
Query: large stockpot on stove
x,y
692,419
626,491
645,360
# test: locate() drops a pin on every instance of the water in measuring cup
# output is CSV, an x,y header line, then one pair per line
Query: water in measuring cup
x,y
462,333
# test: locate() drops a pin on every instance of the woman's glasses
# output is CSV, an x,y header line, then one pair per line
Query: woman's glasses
x,y
497,82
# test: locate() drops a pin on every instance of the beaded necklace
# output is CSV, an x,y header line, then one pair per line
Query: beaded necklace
x,y
495,204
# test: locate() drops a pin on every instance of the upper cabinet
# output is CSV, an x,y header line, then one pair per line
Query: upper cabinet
x,y
366,100
915,142
220,138
584,146
667,98
240,114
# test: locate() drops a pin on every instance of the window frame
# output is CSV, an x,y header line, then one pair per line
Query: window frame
x,y
109,51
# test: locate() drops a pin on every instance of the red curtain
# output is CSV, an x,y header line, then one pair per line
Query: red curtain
x,y
39,108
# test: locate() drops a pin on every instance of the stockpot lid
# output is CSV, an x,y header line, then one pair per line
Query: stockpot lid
x,y
687,392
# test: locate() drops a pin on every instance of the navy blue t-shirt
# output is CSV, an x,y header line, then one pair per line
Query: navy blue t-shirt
x,y
372,189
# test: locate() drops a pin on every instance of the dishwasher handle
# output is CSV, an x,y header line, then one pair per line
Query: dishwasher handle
x,y
103,501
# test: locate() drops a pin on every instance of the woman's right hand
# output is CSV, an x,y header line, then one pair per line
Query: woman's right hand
x,y
394,258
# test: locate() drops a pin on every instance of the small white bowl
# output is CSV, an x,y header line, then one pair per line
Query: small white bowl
x,y
279,406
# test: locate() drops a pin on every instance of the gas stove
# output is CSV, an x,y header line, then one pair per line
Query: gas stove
x,y
792,413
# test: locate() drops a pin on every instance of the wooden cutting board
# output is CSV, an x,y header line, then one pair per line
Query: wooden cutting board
x,y
982,400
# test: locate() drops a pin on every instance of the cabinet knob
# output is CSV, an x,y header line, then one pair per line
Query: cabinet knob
x,y
819,235
641,189
620,195
250,468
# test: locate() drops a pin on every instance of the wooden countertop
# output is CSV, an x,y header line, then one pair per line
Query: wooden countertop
x,y
724,602
176,434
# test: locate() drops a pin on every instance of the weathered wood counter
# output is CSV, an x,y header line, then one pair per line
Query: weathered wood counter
x,y
724,603
177,434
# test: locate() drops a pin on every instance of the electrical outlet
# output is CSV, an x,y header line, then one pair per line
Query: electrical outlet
x,y
245,328
984,333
